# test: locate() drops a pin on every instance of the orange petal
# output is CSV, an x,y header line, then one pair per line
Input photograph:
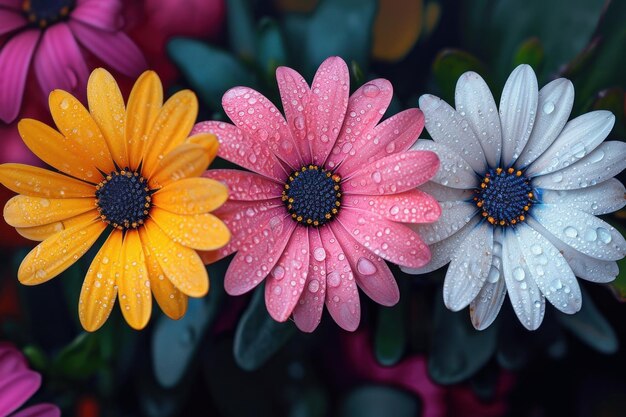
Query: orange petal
x,y
99,287
197,231
57,253
208,141
56,150
170,129
106,106
76,124
133,282
39,182
26,211
396,29
172,302
46,230
181,265
191,196
185,161
144,104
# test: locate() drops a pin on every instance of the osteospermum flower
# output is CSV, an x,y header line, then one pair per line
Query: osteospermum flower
x,y
130,170
519,190
17,384
48,34
330,187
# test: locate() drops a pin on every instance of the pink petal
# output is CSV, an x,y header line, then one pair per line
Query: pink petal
x,y
59,63
258,254
392,241
39,410
11,361
342,295
393,174
15,58
365,109
294,94
394,135
239,149
115,49
285,283
12,4
245,186
326,111
242,219
413,206
371,272
104,15
260,120
308,311
10,20
16,389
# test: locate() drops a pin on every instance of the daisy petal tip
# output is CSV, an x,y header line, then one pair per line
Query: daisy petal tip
x,y
306,326
428,102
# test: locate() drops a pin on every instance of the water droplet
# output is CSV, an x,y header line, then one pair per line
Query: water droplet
x,y
394,210
278,289
298,122
570,232
494,275
333,279
536,249
519,274
314,286
376,177
365,267
590,235
548,107
319,254
603,234
278,272
370,90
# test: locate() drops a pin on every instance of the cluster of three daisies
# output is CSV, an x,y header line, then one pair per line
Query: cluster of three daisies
x,y
508,195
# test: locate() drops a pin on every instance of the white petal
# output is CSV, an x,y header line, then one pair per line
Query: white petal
x,y
443,193
474,100
454,171
447,126
606,161
454,215
486,306
441,252
583,232
518,106
579,137
606,197
553,108
550,270
583,266
526,298
468,268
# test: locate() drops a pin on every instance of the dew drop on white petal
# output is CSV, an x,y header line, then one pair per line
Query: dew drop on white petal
x,y
519,274
548,107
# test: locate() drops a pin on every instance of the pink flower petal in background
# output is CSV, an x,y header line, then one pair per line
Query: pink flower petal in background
x,y
16,388
12,4
11,360
105,15
10,21
40,410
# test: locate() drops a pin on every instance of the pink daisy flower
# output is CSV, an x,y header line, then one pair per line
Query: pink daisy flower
x,y
48,34
17,384
330,188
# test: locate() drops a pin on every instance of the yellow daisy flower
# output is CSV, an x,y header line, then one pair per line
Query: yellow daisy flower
x,y
131,170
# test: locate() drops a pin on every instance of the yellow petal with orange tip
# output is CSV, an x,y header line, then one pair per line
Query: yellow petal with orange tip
x,y
56,150
133,282
168,297
26,211
106,106
197,231
170,129
44,231
99,290
40,182
57,253
191,196
208,141
76,124
181,265
397,27
187,160
144,104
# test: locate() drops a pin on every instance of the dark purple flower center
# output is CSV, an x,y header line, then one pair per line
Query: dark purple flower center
x,y
43,13
123,199
312,195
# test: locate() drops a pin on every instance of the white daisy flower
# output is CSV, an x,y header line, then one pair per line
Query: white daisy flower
x,y
519,189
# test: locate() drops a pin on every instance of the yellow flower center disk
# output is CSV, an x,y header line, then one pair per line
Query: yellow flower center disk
x,y
42,13
505,196
312,195
123,199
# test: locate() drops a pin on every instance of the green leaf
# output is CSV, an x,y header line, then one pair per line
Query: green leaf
x,y
241,29
449,65
258,335
37,358
377,401
209,71
271,51
530,52
390,336
81,358
458,350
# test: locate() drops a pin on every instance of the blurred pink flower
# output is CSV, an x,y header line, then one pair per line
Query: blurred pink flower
x,y
17,384
50,33
330,188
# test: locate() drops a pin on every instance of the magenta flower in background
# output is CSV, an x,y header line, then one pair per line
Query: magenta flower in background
x,y
49,34
17,384
330,188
